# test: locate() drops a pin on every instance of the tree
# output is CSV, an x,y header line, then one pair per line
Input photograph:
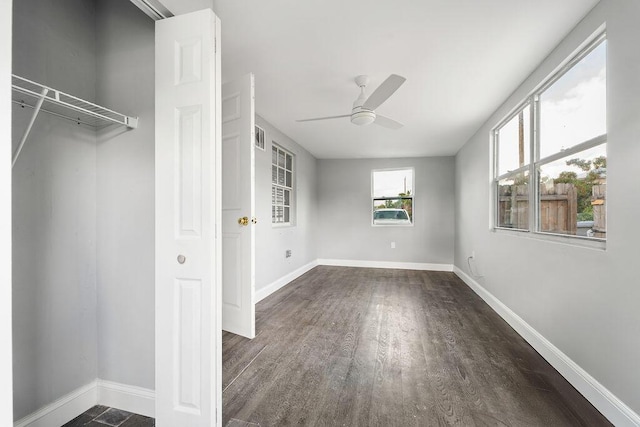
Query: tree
x,y
595,169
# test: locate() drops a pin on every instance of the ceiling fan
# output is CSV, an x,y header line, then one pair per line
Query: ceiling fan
x,y
363,108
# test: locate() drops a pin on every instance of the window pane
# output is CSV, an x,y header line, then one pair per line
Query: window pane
x,y
392,183
288,179
573,194
273,214
287,197
280,176
289,162
274,174
573,109
513,202
514,142
274,155
286,214
273,195
281,157
279,196
395,211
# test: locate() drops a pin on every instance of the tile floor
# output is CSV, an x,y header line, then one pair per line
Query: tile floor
x,y
101,416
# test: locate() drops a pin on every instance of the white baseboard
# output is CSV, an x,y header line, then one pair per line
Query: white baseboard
x,y
98,392
386,264
127,397
606,402
62,410
274,286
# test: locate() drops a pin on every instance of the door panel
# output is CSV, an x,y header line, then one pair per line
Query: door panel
x,y
238,194
187,213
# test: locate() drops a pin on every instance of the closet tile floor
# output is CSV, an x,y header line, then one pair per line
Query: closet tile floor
x,y
101,416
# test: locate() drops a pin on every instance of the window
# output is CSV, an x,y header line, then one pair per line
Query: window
x,y
392,196
551,154
260,138
281,185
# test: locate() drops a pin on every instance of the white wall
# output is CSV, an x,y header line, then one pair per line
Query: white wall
x,y
54,210
344,206
6,374
125,196
272,242
584,301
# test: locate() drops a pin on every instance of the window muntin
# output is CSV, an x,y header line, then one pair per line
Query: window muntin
x,y
281,185
566,181
392,196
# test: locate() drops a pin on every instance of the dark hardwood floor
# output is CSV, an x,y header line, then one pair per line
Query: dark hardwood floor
x,y
372,347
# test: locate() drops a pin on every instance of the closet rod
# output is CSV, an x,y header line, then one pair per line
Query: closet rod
x,y
76,120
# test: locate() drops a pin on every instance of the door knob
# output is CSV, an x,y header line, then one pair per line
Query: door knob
x,y
243,221
181,259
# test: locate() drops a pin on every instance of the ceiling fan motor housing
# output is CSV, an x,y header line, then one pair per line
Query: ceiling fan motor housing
x,y
362,117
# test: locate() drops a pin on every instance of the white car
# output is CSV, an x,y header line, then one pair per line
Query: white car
x,y
390,216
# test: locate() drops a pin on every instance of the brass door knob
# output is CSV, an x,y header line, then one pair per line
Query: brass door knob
x,y
243,221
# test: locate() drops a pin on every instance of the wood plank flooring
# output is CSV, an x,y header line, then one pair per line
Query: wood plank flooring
x,y
373,347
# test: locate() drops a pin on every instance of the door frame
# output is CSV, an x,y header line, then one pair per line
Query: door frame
x,y
6,351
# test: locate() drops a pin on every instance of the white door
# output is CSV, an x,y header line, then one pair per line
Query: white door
x,y
238,207
187,162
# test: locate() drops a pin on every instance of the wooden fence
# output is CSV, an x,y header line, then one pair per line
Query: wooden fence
x,y
558,208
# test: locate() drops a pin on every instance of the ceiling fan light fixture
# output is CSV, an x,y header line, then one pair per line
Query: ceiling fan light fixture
x,y
362,118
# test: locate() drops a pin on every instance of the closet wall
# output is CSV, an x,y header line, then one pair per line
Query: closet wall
x,y
83,204
54,209
125,196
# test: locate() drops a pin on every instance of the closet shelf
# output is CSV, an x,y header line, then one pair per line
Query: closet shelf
x,y
27,93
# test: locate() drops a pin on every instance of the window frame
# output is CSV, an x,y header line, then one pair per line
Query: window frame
x,y
536,163
291,189
260,139
412,197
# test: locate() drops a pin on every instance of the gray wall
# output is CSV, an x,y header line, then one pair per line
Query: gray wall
x,y
54,210
344,206
125,196
584,301
272,242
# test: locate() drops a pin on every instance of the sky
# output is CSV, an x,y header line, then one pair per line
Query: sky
x,y
572,110
389,183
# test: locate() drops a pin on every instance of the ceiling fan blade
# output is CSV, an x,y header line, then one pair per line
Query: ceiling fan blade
x,y
383,92
324,118
387,122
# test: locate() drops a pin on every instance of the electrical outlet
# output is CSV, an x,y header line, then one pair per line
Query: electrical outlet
x,y
287,253
393,245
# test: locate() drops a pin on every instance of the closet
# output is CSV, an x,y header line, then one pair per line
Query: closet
x,y
83,199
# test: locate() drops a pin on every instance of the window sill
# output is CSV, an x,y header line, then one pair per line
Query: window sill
x,y
282,225
577,241
391,225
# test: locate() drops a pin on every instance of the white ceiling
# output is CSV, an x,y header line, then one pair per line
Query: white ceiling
x,y
461,58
